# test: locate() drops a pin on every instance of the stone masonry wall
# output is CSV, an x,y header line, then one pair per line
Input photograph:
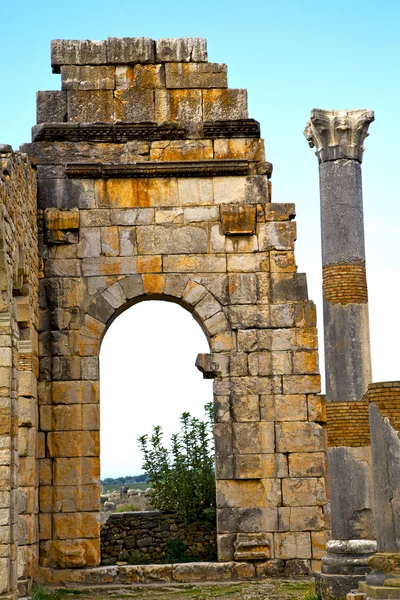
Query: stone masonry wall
x,y
143,537
19,442
152,184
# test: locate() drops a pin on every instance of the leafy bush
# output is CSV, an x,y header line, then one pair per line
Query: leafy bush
x,y
183,478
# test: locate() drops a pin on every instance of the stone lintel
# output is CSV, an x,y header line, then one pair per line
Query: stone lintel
x,y
338,134
150,130
187,168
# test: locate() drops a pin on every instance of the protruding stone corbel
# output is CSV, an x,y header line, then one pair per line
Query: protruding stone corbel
x,y
209,368
62,226
238,219
22,309
338,133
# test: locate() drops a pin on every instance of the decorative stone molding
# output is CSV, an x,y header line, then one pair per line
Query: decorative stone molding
x,y
187,168
338,133
124,132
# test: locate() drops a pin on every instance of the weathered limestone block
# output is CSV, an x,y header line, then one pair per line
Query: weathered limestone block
x,y
195,75
181,50
307,464
51,107
140,76
181,150
238,220
248,494
77,52
197,191
75,525
299,518
282,262
247,148
308,491
65,193
70,553
283,408
247,520
178,105
274,465
73,443
134,105
277,235
75,392
69,471
288,545
222,104
158,240
130,50
61,417
90,106
87,77
288,287
294,436
253,546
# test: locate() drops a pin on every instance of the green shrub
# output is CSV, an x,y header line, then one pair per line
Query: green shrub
x,y
126,508
183,478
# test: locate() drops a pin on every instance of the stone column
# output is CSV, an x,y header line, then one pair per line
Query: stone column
x,y
338,137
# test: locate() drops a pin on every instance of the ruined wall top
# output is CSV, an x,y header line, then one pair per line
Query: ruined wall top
x,y
116,51
338,133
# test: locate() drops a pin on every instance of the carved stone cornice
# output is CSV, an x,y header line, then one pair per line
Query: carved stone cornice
x,y
150,131
187,168
338,133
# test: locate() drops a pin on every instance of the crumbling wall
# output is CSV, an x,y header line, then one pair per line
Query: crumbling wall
x,y
153,184
20,445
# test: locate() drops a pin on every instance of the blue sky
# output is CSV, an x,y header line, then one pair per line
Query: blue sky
x,y
291,56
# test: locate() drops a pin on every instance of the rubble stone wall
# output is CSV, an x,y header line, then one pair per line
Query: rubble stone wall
x,y
19,442
147,536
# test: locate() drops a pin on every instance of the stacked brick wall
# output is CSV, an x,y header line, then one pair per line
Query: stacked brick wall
x,y
345,283
386,396
146,537
18,370
348,424
152,184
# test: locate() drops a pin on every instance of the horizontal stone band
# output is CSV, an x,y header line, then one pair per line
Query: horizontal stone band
x,y
348,424
345,283
187,168
124,132
386,396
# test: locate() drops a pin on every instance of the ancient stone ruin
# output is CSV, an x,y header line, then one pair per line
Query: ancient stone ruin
x,y
146,179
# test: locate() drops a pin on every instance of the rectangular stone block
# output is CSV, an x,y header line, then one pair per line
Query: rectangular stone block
x,y
194,264
242,494
158,240
90,106
70,553
69,471
239,148
178,105
77,52
75,392
316,405
224,104
270,363
76,525
181,150
73,499
280,212
277,236
274,465
283,408
288,287
181,50
45,471
301,384
51,107
65,193
134,105
127,51
294,436
195,75
140,76
245,408
197,191
247,520
73,443
299,491
238,220
292,545
307,464
87,78
45,530
247,466
282,262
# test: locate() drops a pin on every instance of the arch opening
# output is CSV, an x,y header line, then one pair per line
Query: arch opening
x,y
148,377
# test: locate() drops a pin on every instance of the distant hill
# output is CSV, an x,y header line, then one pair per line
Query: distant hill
x,y
124,480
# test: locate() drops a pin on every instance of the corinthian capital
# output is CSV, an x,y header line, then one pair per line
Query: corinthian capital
x,y
338,133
